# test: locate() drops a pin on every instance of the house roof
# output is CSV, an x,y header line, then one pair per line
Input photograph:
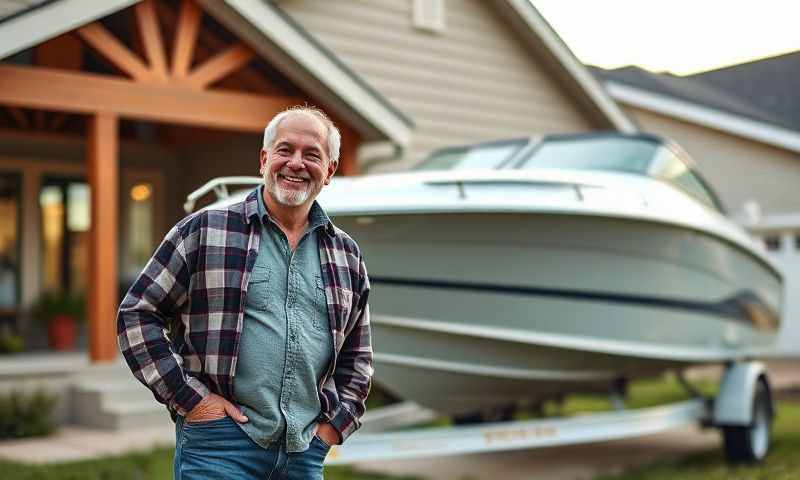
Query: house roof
x,y
686,88
11,8
770,84
756,101
271,33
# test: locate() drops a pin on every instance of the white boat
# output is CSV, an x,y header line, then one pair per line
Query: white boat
x,y
508,272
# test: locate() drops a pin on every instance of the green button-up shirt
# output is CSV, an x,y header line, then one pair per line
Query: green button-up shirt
x,y
286,343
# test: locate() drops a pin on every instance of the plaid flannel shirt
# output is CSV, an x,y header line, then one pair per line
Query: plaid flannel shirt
x,y
178,326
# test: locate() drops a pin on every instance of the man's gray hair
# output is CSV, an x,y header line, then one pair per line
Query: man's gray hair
x,y
334,137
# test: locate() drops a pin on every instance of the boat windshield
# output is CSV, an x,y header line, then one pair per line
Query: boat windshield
x,y
630,155
485,156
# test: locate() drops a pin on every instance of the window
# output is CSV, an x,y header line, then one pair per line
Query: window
x,y
65,218
10,201
773,243
140,219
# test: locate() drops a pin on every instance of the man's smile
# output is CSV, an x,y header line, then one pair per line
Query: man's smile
x,y
292,178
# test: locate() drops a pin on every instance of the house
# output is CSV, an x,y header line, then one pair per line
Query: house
x,y
741,124
112,112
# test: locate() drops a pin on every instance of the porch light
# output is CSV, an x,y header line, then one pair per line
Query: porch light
x,y
141,192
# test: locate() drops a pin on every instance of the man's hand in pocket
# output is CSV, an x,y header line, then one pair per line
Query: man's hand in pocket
x,y
214,407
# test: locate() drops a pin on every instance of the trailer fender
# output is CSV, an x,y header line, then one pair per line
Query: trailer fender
x,y
733,405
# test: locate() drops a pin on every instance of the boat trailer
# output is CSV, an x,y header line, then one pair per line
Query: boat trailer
x,y
742,410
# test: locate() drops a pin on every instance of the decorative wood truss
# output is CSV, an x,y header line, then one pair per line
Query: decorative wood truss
x,y
153,88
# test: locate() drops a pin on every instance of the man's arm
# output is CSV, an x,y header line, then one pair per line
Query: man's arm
x,y
144,315
353,372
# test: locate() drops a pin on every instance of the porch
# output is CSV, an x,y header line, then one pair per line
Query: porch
x,y
111,113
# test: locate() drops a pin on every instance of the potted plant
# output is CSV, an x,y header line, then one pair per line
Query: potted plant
x,y
61,311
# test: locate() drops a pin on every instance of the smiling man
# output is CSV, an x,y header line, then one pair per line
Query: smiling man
x,y
251,321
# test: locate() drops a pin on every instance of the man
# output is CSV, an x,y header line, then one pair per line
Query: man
x,y
251,321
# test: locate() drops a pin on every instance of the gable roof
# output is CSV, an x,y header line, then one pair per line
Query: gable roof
x,y
272,35
699,100
543,39
770,84
685,88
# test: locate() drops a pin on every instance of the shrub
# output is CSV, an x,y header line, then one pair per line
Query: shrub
x,y
26,414
11,344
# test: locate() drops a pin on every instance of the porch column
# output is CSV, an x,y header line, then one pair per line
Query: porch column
x,y
348,162
103,170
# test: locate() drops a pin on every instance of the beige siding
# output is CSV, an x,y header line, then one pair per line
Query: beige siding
x,y
737,168
473,82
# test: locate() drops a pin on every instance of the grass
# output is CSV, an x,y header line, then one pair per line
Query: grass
x,y
155,464
782,462
641,394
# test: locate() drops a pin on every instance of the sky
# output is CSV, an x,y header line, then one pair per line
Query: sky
x,y
678,36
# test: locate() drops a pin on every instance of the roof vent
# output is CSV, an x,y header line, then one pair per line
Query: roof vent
x,y
429,15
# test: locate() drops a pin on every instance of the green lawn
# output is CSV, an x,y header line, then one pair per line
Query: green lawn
x,y
641,394
153,465
782,462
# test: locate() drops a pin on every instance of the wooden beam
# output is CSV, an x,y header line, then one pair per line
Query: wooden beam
x,y
107,45
188,24
103,170
220,65
19,117
348,161
249,77
64,51
85,93
150,33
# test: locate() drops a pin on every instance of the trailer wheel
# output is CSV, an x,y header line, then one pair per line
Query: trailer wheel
x,y
750,443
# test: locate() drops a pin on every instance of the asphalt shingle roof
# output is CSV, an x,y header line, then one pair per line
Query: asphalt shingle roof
x,y
771,84
764,90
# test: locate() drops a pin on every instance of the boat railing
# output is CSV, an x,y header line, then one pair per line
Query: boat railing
x,y
220,188
503,178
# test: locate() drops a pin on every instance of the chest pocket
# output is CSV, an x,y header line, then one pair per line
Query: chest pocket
x,y
320,305
258,288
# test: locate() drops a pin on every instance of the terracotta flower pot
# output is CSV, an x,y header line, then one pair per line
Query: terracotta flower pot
x,y
62,332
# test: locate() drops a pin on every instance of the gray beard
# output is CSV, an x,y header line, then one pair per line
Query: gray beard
x,y
289,198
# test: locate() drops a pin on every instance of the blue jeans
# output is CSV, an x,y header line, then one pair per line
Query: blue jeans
x,y
219,449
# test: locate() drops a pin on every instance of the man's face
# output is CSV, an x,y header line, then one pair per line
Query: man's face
x,y
296,166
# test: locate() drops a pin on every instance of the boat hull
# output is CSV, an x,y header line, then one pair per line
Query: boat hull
x,y
473,311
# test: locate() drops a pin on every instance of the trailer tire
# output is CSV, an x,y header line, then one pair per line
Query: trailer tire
x,y
750,443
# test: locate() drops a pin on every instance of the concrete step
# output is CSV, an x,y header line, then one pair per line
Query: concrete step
x,y
133,415
112,392
112,399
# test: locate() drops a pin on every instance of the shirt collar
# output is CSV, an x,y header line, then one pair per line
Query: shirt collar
x,y
254,206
